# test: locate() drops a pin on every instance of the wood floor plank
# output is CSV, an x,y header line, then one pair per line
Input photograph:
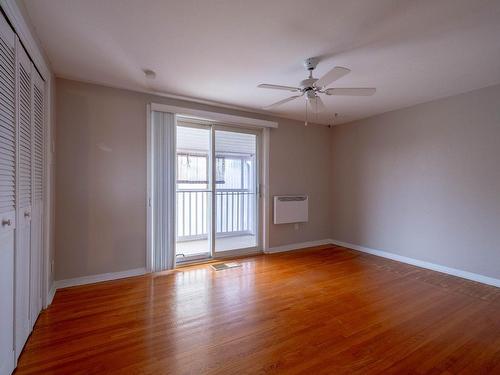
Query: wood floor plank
x,y
328,310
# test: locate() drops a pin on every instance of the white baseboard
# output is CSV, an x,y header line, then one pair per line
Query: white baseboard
x,y
298,246
278,249
420,263
98,278
52,293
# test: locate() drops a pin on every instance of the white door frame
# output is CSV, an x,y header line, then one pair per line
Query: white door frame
x,y
212,253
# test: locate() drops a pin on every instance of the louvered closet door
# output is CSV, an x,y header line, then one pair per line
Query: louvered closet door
x,y
37,157
7,194
24,182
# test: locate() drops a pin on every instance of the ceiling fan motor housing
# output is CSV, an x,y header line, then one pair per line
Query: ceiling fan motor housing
x,y
308,84
311,63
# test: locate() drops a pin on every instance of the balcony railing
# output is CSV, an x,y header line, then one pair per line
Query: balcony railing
x,y
234,213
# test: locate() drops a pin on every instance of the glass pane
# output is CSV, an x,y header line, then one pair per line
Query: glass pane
x,y
236,190
193,193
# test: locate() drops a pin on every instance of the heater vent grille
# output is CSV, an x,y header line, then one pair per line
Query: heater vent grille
x,y
225,266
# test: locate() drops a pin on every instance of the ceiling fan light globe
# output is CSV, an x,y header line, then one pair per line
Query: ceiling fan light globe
x,y
311,95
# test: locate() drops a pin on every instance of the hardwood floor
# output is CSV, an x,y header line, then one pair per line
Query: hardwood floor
x,y
324,311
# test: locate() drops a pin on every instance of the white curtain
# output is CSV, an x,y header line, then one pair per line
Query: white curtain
x,y
163,190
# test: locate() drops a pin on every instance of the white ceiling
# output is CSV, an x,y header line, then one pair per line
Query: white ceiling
x,y
411,51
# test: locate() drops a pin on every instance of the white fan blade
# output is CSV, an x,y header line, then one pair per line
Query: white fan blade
x,y
317,104
364,91
278,87
283,101
333,75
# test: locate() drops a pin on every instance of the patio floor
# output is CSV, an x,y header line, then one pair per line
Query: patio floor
x,y
189,248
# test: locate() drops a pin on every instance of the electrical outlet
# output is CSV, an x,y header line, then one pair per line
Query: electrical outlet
x,y
296,226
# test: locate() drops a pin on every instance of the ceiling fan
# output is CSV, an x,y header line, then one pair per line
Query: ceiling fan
x,y
311,87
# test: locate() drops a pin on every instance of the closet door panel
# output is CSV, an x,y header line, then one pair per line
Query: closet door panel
x,y
37,196
24,197
7,360
7,194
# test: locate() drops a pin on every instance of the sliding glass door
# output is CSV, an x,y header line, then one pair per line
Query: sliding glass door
x,y
236,209
217,191
194,192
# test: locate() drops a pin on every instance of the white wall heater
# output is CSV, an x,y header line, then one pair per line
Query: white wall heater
x,y
291,209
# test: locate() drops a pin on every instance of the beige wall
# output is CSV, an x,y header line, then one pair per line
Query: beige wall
x,y
423,182
299,164
101,178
